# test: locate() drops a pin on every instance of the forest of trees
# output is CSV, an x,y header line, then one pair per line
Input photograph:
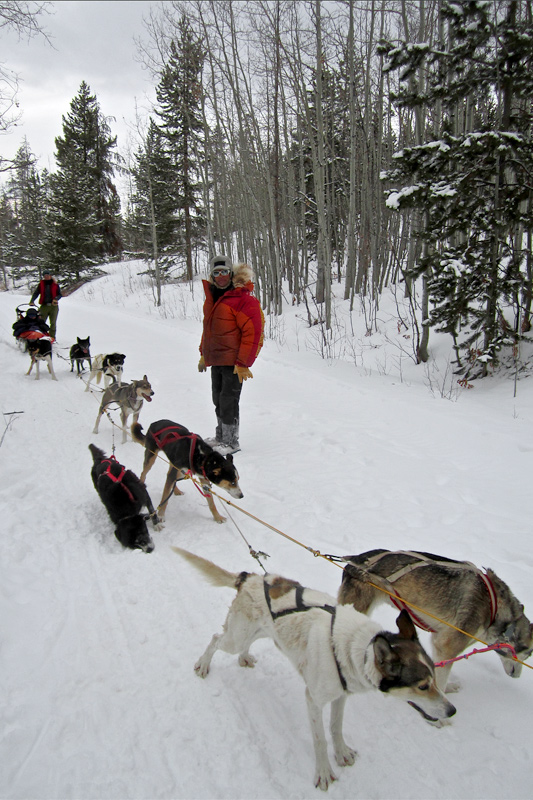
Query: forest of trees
x,y
369,144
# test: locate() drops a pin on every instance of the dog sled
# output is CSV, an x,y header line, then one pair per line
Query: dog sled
x,y
29,325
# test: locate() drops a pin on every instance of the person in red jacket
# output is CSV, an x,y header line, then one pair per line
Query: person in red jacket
x,y
231,341
49,295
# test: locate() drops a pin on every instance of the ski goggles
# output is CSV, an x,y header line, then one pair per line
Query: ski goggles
x,y
220,271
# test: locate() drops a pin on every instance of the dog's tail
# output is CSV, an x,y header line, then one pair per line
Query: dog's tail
x,y
215,575
137,433
97,454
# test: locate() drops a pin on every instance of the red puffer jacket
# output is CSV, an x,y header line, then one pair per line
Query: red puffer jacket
x,y
233,325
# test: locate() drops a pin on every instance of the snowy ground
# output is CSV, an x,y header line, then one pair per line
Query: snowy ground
x,y
99,697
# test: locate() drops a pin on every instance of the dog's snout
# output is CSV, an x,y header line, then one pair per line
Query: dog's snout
x,y
451,710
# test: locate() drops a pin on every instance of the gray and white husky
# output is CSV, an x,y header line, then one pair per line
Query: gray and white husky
x,y
457,592
336,650
129,397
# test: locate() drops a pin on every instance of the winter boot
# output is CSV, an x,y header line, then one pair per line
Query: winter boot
x,y
217,438
230,440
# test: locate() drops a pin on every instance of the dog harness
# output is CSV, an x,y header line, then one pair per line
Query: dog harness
x,y
301,606
424,561
173,433
116,478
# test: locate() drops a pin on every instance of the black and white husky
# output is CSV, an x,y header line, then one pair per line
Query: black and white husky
x,y
110,366
336,650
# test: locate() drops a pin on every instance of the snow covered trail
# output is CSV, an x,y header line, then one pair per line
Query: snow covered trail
x,y
99,698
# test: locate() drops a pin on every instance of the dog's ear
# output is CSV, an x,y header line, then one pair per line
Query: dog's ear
x,y
406,626
145,378
387,660
229,458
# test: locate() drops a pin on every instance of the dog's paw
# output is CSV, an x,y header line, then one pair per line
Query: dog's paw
x,y
201,669
453,686
324,779
220,519
346,756
247,660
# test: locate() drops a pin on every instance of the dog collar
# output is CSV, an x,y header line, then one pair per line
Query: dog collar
x,y
369,665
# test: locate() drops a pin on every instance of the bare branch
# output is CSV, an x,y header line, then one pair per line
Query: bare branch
x,y
25,19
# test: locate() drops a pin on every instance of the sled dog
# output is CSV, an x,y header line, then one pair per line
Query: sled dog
x,y
478,602
186,452
129,397
110,366
123,495
336,650
40,350
79,353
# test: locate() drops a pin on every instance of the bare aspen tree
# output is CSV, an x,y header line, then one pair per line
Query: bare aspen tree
x,y
364,259
155,253
323,289
351,257
422,349
219,227
27,20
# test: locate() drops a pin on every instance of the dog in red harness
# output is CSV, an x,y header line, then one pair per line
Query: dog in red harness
x,y
186,452
123,495
454,592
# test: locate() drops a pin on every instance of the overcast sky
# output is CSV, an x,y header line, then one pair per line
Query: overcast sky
x,y
90,41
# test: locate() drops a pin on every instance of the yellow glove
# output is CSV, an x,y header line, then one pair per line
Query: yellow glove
x,y
243,373
201,365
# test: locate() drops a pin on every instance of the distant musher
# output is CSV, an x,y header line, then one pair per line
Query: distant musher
x,y
49,293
